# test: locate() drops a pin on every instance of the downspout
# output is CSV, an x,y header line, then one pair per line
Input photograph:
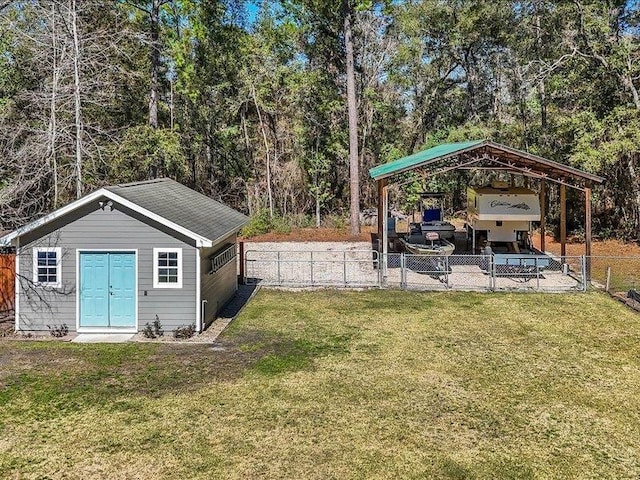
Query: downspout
x,y
203,317
198,319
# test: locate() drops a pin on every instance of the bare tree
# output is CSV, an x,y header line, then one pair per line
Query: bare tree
x,y
76,97
352,108
152,8
52,133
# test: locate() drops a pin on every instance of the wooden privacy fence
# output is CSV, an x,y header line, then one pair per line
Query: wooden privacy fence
x,y
7,281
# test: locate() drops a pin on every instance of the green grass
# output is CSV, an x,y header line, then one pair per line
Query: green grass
x,y
377,384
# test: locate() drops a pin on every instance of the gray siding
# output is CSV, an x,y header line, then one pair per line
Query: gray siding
x,y
217,288
95,229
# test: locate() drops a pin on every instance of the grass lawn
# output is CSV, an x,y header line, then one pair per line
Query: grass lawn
x,y
376,384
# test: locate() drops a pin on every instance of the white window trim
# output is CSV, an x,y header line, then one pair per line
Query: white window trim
x,y
157,284
58,251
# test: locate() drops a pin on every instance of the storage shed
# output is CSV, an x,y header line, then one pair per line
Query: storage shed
x,y
123,255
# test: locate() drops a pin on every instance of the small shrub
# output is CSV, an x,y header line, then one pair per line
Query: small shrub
x,y
185,331
338,222
157,327
300,220
280,225
147,331
58,331
153,330
259,224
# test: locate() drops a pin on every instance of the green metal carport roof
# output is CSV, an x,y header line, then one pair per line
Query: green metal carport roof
x,y
415,160
523,161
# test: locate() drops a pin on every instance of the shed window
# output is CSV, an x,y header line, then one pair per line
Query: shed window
x,y
167,268
46,266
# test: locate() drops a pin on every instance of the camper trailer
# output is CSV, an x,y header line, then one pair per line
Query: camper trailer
x,y
501,216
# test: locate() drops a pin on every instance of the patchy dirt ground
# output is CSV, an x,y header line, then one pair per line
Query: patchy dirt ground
x,y
151,369
598,248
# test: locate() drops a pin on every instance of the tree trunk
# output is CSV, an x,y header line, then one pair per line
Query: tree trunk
x,y
55,74
318,218
352,107
627,81
155,63
266,148
635,183
541,85
76,96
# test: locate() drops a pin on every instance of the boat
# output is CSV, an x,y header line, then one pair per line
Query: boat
x,y
446,230
432,218
428,244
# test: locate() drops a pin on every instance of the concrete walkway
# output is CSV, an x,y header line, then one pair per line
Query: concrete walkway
x,y
103,338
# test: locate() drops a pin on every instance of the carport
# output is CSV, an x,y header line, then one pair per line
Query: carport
x,y
487,155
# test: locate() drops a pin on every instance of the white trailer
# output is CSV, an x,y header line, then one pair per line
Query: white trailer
x,y
502,214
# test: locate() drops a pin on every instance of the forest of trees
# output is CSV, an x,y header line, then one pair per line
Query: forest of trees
x,y
247,101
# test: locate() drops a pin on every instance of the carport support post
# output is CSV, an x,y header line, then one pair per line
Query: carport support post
x,y
382,183
543,214
563,221
587,231
385,229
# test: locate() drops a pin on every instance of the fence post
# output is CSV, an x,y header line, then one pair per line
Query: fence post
x,y
344,267
490,271
446,271
403,271
583,266
311,262
278,266
494,273
535,265
608,284
243,277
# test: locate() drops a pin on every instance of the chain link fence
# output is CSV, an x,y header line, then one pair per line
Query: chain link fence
x,y
496,272
615,274
426,272
541,273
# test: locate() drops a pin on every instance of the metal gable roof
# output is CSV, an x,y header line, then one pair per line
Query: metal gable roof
x,y
444,151
183,206
415,160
